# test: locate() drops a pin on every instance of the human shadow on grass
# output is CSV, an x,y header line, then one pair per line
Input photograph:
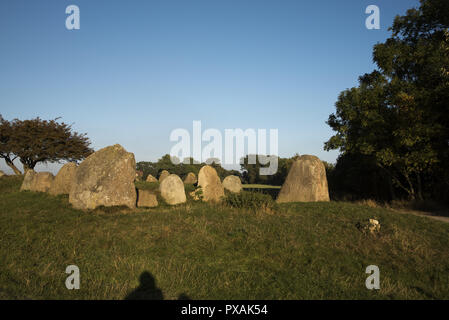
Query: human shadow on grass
x,y
147,290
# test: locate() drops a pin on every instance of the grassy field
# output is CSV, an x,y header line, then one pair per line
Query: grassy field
x,y
259,186
201,251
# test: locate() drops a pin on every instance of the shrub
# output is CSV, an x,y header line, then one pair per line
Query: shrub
x,y
189,187
249,200
197,195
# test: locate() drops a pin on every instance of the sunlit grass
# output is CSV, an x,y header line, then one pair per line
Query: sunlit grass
x,y
301,251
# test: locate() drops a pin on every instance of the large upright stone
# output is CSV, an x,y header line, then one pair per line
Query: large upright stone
x,y
105,178
190,178
233,184
38,182
164,174
63,180
150,178
210,184
305,182
172,190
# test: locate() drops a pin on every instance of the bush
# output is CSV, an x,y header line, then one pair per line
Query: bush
x,y
249,200
189,188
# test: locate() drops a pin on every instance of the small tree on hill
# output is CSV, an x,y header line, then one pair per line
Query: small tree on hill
x,y
37,140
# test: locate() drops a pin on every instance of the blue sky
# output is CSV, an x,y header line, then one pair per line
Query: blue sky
x,y
136,70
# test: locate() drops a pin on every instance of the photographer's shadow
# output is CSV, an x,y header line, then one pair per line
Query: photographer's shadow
x,y
147,290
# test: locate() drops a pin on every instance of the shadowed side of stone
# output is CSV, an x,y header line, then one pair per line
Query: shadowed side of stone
x,y
105,178
63,180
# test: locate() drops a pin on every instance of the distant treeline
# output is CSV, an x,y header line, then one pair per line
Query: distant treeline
x,y
181,169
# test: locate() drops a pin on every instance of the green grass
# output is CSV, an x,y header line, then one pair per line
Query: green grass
x,y
144,185
272,191
302,251
259,186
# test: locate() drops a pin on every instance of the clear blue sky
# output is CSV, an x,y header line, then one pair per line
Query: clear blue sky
x,y
136,70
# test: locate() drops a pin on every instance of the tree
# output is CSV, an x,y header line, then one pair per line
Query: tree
x,y
5,144
34,141
251,172
398,113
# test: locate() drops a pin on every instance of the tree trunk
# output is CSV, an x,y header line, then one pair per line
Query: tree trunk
x,y
27,165
419,193
391,187
26,168
10,164
411,190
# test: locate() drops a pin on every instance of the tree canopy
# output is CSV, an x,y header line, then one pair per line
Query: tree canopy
x,y
398,113
36,140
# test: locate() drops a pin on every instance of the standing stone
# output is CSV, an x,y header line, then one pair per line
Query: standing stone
x,y
190,178
164,174
233,184
27,180
105,178
172,190
63,180
37,182
139,174
210,184
150,178
305,182
146,198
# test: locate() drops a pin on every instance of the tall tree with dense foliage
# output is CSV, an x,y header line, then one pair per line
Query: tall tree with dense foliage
x,y
398,113
40,141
